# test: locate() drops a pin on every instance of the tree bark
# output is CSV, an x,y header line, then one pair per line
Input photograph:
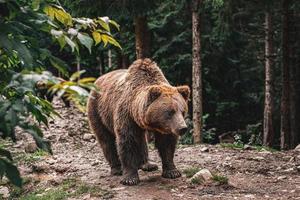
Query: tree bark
x,y
285,132
294,79
123,60
197,75
109,57
142,39
268,137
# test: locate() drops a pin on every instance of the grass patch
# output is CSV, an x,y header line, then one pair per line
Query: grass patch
x,y
31,157
196,181
261,148
189,172
232,145
222,180
68,189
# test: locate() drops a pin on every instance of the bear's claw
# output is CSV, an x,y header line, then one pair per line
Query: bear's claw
x,y
130,180
174,173
148,167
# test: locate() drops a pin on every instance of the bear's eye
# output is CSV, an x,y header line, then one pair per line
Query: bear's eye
x,y
170,113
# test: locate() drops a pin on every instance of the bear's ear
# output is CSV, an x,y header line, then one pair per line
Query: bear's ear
x,y
154,93
184,91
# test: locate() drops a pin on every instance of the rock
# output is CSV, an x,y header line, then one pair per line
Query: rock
x,y
203,176
88,137
4,192
281,177
39,168
204,149
297,148
248,147
31,147
258,158
250,196
289,170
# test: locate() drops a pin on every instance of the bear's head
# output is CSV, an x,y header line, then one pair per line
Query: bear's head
x,y
167,107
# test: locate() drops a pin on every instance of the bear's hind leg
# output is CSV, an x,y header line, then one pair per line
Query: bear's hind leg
x,y
107,142
166,145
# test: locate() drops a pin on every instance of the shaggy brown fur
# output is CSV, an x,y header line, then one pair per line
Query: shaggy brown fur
x,y
131,102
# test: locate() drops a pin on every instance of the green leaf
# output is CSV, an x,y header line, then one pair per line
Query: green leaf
x,y
49,10
87,80
63,17
103,24
60,65
85,40
115,24
76,75
62,42
97,37
70,43
6,154
108,39
35,5
12,173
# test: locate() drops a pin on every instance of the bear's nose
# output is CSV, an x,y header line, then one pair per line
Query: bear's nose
x,y
182,131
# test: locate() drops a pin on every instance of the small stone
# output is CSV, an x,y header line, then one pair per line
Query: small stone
x,y
289,170
39,168
204,175
258,158
248,147
250,196
31,147
204,149
297,147
88,137
293,159
4,192
281,177
50,161
95,163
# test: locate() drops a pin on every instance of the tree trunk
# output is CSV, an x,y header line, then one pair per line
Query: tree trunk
x,y
269,84
142,39
294,79
109,56
197,76
123,60
285,132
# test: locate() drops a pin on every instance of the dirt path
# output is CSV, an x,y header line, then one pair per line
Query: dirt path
x,y
77,170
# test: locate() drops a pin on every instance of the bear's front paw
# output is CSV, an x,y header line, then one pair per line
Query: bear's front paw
x,y
130,180
173,173
148,167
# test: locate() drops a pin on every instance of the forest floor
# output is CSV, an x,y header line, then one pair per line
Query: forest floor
x,y
78,170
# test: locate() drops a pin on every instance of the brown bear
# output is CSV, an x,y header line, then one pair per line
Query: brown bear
x,y
129,103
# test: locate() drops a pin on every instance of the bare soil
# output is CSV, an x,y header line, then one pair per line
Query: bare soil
x,y
78,170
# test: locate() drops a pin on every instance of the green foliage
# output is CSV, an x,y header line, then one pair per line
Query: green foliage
x,y
190,172
24,55
232,145
70,188
208,134
196,180
75,89
221,180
